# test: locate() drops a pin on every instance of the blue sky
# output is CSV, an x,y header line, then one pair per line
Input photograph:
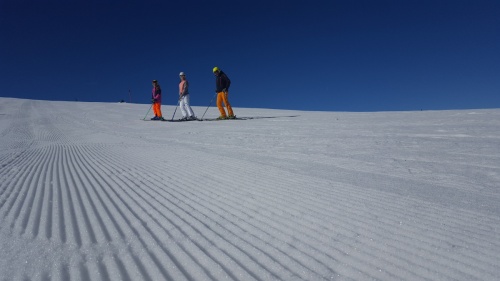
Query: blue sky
x,y
307,55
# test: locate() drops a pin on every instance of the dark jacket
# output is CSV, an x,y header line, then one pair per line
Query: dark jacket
x,y
222,82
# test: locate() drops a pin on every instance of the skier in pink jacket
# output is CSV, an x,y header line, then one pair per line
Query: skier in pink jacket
x,y
187,112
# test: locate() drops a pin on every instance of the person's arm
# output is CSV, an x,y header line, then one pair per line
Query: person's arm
x,y
225,82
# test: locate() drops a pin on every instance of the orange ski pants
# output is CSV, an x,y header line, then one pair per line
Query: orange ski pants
x,y
222,97
157,109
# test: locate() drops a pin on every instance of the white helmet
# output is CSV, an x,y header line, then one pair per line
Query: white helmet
x,y
182,74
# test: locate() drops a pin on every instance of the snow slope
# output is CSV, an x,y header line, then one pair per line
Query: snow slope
x,y
88,191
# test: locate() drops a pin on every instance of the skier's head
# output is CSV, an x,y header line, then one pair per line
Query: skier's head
x,y
216,70
182,75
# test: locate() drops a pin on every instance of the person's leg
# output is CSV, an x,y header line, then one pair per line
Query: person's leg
x,y
155,109
182,105
158,109
188,107
220,98
228,105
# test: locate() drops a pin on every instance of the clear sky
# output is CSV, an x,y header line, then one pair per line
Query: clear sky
x,y
349,55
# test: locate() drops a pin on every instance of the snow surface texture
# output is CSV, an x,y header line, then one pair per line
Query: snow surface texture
x,y
88,191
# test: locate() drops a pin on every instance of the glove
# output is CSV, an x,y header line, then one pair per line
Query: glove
x,y
153,100
224,90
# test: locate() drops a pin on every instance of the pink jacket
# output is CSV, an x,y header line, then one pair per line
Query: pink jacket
x,y
183,88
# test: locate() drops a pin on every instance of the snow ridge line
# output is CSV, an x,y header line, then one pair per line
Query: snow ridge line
x,y
20,180
81,223
187,197
249,273
205,224
377,197
488,261
143,211
106,157
123,210
306,226
95,192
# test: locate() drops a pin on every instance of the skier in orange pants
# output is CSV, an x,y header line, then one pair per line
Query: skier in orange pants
x,y
156,99
222,84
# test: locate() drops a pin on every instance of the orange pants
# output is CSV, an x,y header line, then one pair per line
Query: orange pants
x,y
222,97
157,109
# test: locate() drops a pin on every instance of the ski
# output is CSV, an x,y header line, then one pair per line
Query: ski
x,y
161,120
198,119
217,119
183,120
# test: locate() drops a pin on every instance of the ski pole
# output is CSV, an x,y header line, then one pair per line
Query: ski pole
x,y
178,102
148,112
208,106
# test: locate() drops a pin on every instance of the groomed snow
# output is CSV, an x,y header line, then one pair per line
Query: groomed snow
x,y
89,191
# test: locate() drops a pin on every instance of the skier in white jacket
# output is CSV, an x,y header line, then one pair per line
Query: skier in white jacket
x,y
187,112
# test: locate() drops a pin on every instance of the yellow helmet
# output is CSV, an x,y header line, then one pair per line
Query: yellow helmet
x,y
215,69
